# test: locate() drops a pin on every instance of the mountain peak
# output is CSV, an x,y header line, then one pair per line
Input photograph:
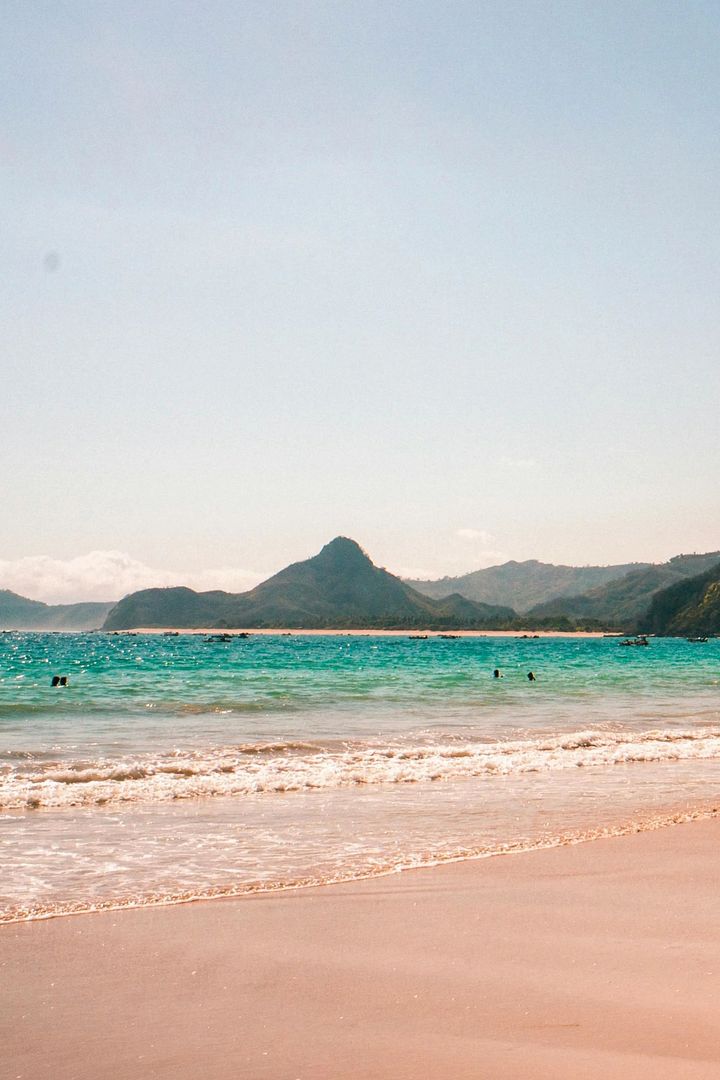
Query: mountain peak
x,y
343,549
340,587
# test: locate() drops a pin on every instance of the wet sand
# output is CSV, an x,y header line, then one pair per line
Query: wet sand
x,y
577,963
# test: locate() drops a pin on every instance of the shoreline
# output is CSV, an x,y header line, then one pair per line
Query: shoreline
x,y
285,632
593,959
669,818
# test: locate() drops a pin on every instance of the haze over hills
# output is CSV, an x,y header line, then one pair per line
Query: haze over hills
x,y
691,607
19,613
523,585
338,588
626,600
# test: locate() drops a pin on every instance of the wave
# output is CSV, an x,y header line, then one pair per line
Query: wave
x,y
282,767
54,909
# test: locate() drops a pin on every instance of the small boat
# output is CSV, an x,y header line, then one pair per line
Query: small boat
x,y
640,640
419,637
449,637
218,637
696,639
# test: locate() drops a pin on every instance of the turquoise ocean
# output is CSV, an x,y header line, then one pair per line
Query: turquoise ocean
x,y
173,767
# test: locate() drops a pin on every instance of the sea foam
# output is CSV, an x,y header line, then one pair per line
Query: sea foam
x,y
283,767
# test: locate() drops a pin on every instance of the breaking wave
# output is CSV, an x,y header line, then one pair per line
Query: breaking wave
x,y
282,767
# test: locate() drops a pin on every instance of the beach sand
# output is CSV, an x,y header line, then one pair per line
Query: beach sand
x,y
589,961
374,633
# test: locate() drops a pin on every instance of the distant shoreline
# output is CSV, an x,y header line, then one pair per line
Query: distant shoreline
x,y
214,630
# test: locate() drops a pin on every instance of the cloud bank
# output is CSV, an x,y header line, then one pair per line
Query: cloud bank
x,y
481,535
108,575
473,553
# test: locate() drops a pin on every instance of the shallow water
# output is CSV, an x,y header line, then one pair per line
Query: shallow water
x,y
172,767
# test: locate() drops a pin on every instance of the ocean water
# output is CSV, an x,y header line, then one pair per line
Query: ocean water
x,y
172,767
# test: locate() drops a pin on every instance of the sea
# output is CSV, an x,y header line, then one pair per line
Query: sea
x,y
172,768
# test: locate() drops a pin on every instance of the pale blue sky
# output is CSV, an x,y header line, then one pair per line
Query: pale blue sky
x,y
441,277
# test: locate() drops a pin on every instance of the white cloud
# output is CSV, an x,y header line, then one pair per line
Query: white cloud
x,y
491,557
475,534
229,578
481,554
479,560
524,464
108,575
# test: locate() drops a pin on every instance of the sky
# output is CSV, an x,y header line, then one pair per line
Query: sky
x,y
443,278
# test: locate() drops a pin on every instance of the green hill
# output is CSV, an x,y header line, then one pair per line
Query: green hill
x,y
624,602
19,613
688,607
339,588
523,585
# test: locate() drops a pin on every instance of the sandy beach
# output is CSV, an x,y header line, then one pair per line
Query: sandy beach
x,y
589,961
375,633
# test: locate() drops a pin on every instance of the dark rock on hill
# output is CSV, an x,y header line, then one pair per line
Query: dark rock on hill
x,y
690,607
523,585
338,588
19,613
624,602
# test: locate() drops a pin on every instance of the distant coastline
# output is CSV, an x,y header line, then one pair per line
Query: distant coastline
x,y
342,590
360,632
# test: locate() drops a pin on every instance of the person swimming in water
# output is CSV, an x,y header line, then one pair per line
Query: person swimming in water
x,y
531,676
497,674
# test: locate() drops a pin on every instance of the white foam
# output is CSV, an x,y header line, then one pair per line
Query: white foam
x,y
49,910
287,767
